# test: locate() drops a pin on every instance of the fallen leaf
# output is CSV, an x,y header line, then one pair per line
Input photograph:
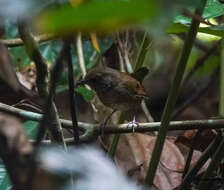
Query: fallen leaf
x,y
134,153
27,77
203,140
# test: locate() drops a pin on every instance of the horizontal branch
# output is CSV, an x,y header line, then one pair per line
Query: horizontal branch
x,y
18,41
91,131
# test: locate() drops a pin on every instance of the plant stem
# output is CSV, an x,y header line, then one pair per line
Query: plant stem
x,y
171,101
188,178
35,55
121,128
50,117
68,58
197,94
113,146
221,100
15,42
216,159
219,154
142,51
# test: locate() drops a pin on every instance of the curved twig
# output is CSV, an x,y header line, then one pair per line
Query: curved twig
x,y
15,42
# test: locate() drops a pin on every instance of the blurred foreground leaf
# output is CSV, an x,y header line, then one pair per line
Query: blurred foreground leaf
x,y
98,16
14,145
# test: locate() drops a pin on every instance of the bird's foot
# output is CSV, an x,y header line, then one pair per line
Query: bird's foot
x,y
134,124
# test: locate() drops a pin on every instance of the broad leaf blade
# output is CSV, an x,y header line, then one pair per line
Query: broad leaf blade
x,y
98,16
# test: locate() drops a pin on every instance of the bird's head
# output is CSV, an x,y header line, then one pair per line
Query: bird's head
x,y
98,79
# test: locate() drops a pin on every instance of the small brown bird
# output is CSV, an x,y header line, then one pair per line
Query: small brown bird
x,y
115,89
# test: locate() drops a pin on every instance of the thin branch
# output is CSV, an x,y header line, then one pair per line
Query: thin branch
x,y
200,19
216,159
68,58
93,131
82,61
121,128
200,62
142,51
190,153
195,96
188,178
51,119
15,42
80,54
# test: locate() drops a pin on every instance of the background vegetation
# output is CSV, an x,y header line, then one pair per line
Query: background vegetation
x,y
46,46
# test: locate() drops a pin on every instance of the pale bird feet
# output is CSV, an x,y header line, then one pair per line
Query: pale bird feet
x,y
134,124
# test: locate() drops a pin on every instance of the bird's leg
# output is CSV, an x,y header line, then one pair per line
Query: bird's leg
x,y
106,121
134,124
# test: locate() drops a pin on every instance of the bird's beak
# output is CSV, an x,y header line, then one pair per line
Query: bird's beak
x,y
81,82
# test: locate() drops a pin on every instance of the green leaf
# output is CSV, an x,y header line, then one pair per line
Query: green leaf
x,y
4,179
180,28
98,16
86,93
213,9
31,128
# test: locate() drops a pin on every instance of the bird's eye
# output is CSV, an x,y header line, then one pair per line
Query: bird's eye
x,y
95,79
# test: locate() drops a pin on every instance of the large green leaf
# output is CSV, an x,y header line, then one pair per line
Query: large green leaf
x,y
99,16
213,9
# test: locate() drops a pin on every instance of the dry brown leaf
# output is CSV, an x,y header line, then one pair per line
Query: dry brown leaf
x,y
134,153
27,77
196,155
203,140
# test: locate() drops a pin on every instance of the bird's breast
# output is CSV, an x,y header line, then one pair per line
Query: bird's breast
x,y
118,101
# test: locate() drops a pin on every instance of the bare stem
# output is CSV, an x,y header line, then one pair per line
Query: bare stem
x,y
68,58
51,119
94,129
15,42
